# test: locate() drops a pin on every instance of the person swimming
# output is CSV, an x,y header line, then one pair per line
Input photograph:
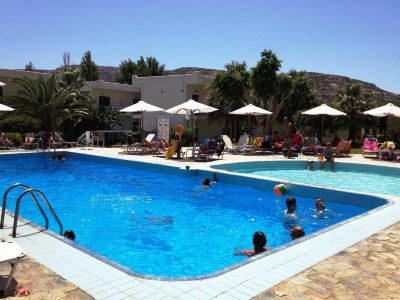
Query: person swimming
x,y
297,232
59,157
69,234
320,205
291,207
310,165
259,242
206,182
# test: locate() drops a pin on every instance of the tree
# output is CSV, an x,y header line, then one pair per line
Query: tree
x,y
127,68
153,67
298,92
229,90
66,61
352,102
89,70
29,67
45,103
264,82
142,68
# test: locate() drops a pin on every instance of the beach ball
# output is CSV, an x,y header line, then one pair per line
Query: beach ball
x,y
280,189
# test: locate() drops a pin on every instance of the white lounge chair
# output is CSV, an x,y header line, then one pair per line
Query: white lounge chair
x,y
135,149
10,252
240,147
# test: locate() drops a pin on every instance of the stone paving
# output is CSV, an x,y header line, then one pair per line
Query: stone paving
x,y
43,283
368,270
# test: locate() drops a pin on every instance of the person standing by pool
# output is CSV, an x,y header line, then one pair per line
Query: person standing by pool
x,y
288,136
291,207
328,156
259,242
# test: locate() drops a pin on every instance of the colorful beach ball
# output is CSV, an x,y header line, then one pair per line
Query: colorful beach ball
x,y
280,189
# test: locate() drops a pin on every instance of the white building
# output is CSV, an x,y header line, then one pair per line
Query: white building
x,y
163,91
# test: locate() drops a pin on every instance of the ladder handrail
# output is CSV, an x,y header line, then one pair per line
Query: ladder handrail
x,y
14,231
5,197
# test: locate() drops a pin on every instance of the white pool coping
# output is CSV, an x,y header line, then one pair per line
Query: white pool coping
x,y
103,281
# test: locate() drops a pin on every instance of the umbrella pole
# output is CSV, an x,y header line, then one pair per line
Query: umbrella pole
x,y
141,127
193,132
322,130
249,124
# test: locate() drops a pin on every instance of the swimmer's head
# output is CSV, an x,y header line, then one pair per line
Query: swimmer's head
x,y
259,241
69,234
207,182
291,204
320,205
297,232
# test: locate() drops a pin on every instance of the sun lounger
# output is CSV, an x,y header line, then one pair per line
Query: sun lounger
x,y
343,148
140,148
243,142
311,146
371,147
11,253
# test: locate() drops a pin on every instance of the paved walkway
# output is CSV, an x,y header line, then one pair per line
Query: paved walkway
x,y
368,270
43,283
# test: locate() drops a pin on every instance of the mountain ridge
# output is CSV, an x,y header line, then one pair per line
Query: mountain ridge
x,y
326,86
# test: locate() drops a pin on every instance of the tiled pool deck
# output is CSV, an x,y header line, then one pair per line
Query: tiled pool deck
x,y
103,281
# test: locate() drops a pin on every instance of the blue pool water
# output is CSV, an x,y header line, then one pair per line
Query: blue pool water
x,y
159,223
357,177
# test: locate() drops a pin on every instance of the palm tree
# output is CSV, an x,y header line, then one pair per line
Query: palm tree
x,y
353,103
47,103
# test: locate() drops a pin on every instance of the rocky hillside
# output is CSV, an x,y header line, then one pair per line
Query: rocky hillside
x,y
326,85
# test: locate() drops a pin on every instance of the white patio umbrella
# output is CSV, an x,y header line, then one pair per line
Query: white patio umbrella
x,y
250,110
5,108
323,110
141,107
191,107
384,111
2,106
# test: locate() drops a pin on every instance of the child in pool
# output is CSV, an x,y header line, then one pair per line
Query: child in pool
x,y
259,242
320,205
291,207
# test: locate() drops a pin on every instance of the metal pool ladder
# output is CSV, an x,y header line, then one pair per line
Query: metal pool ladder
x,y
31,192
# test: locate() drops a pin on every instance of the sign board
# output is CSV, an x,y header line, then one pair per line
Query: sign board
x,y
163,128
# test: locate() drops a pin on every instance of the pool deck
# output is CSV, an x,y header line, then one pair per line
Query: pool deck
x,y
101,280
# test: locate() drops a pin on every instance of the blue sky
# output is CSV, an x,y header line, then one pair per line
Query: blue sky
x,y
355,38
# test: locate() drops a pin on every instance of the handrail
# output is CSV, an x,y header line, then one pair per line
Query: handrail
x,y
14,231
40,141
3,210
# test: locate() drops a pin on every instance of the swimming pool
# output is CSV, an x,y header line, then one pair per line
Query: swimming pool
x,y
158,220
349,176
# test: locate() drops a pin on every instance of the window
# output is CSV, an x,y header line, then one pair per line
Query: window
x,y
195,97
135,100
1,91
104,101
